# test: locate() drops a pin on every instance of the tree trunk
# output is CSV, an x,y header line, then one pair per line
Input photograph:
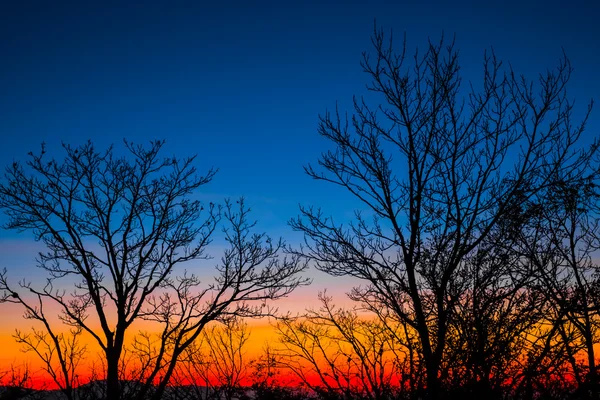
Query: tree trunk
x,y
113,388
592,373
433,390
68,392
113,356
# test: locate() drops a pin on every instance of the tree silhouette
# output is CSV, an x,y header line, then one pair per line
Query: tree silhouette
x,y
437,167
119,226
216,366
491,322
559,243
341,354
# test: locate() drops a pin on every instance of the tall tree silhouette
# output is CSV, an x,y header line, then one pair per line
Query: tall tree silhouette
x,y
119,226
437,167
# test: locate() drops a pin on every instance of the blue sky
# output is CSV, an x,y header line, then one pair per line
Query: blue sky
x,y
242,83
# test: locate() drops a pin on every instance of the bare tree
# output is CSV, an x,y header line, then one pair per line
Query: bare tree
x,y
491,323
436,166
61,353
567,234
341,353
16,382
119,226
216,364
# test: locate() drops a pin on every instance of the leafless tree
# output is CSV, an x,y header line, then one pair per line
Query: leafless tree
x,y
61,353
216,365
17,382
567,234
491,323
341,353
119,226
437,167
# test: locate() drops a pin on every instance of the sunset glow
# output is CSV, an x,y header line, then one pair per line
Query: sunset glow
x,y
299,200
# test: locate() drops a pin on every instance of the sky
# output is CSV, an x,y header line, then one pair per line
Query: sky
x,y
241,84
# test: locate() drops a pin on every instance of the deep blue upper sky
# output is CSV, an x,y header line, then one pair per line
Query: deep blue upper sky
x,y
241,83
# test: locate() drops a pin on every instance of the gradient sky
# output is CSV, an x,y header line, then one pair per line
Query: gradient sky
x,y
241,83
